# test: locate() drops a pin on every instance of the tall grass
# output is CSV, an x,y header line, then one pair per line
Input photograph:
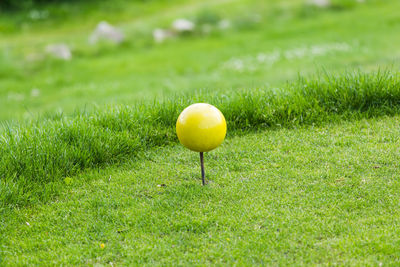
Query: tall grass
x,y
35,157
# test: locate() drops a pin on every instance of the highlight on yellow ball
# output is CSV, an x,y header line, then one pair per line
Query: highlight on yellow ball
x,y
201,127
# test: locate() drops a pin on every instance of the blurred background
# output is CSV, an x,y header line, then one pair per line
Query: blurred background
x,y
63,55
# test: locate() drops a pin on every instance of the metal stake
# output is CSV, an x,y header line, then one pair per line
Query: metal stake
x,y
202,169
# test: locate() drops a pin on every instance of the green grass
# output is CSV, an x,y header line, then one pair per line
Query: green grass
x,y
324,195
306,176
361,37
36,157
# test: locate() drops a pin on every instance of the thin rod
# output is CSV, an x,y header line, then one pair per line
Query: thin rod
x,y
202,169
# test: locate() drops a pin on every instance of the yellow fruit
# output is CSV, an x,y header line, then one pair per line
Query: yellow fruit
x,y
201,127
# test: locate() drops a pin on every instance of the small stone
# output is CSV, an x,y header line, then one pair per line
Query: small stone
x,y
38,14
321,3
107,32
59,51
183,25
160,35
224,24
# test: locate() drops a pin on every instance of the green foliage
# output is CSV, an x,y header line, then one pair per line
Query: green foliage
x,y
25,4
34,157
311,10
343,4
207,17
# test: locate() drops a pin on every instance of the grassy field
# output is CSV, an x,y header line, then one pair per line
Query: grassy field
x,y
37,156
91,172
315,195
268,43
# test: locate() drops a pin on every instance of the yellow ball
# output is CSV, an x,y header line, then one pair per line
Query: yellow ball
x,y
201,127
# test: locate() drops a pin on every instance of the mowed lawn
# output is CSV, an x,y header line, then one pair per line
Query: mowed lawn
x,y
324,195
292,195
267,43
